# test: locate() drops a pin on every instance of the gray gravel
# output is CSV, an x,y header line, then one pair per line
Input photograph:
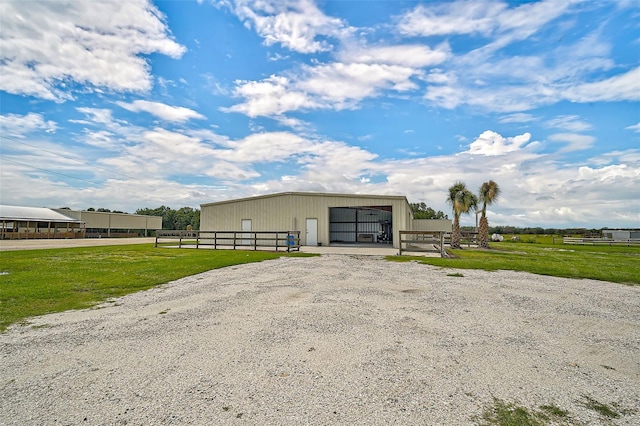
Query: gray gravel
x,y
335,339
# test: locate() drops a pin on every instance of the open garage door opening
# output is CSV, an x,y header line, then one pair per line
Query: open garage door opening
x,y
361,225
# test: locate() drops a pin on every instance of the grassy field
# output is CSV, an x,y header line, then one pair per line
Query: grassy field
x,y
618,264
36,282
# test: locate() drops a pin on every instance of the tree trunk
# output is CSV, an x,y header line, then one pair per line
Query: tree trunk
x,y
455,234
483,233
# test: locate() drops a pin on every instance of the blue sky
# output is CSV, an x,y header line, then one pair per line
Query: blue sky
x,y
134,104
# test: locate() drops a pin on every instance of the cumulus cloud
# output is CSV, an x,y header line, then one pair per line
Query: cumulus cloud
x,y
537,189
328,86
490,143
48,45
338,82
296,25
272,96
265,147
19,126
162,111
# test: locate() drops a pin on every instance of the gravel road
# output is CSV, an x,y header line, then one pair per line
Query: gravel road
x,y
334,339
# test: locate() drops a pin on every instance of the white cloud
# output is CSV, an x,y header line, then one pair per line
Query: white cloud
x,y
491,79
412,55
444,96
436,76
330,86
101,139
623,87
340,83
634,128
47,45
18,126
537,189
629,156
487,19
569,122
491,143
265,147
272,96
296,25
451,18
517,118
162,111
575,142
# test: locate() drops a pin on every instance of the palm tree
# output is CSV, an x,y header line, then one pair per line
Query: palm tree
x,y
461,200
488,194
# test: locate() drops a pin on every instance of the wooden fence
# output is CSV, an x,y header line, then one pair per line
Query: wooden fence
x,y
236,240
422,241
601,241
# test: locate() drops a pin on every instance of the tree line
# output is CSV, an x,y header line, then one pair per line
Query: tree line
x,y
422,211
183,218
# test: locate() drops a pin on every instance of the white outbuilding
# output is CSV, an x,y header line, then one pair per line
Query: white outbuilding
x,y
321,218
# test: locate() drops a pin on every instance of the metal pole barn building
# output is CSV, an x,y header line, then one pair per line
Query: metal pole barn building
x,y
321,218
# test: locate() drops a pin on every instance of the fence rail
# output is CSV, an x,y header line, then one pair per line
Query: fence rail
x,y
422,241
601,241
466,237
238,240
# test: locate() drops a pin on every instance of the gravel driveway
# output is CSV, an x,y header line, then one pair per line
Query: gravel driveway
x,y
335,339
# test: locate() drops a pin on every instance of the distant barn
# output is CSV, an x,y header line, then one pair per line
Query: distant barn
x,y
17,222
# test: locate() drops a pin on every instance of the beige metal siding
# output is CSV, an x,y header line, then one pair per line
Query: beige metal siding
x,y
154,222
289,211
432,225
108,220
96,220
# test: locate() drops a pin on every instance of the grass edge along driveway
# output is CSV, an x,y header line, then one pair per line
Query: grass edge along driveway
x,y
619,264
37,282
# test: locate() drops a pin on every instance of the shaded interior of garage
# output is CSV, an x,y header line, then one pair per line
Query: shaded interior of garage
x,y
365,224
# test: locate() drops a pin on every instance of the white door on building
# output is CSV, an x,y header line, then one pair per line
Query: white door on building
x,y
312,232
246,226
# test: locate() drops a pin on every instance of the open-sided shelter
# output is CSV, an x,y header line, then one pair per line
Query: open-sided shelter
x,y
17,222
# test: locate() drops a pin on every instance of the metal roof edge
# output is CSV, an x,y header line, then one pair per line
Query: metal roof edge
x,y
312,194
36,214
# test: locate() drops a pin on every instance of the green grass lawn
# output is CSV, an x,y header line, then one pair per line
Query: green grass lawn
x,y
36,282
618,264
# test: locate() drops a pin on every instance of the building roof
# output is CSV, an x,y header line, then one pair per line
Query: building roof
x,y
308,194
35,214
